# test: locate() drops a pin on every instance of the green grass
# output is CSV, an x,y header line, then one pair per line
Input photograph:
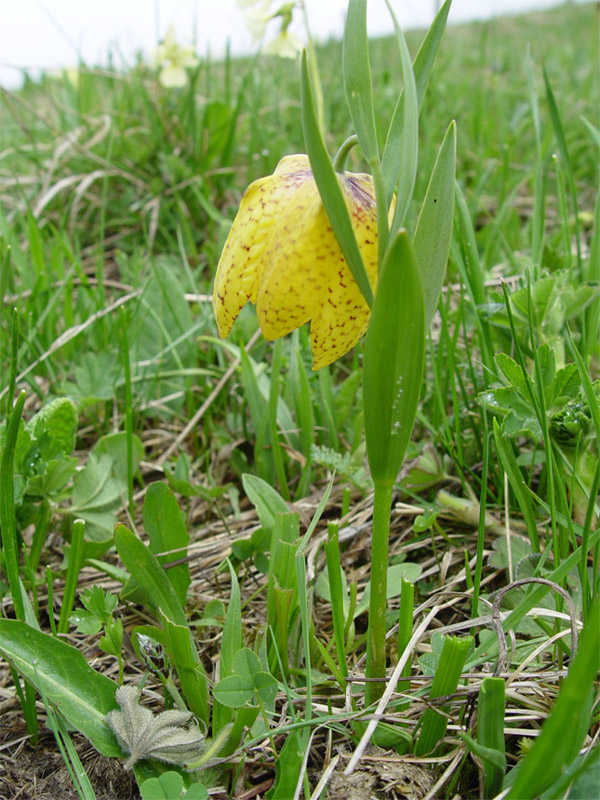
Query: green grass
x,y
117,196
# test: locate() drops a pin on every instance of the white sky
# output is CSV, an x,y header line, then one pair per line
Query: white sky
x,y
52,34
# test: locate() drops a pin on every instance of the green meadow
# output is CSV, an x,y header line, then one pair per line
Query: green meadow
x,y
225,574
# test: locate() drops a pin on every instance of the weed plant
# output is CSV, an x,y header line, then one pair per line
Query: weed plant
x,y
187,521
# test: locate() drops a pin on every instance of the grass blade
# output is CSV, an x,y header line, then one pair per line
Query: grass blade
x,y
334,573
490,730
447,676
75,556
10,547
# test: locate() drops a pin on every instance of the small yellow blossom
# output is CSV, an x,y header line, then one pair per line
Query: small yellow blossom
x,y
257,14
282,255
173,60
285,45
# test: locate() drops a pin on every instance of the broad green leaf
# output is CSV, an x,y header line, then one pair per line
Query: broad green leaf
x,y
10,543
510,372
246,662
431,241
547,369
57,473
82,695
422,69
265,686
196,792
99,489
165,526
356,69
168,786
393,361
329,188
56,421
146,570
114,445
234,690
267,502
163,316
95,377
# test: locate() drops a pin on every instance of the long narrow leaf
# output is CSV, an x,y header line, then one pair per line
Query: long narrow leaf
x,y
434,227
406,175
356,68
422,68
146,570
231,643
329,188
7,506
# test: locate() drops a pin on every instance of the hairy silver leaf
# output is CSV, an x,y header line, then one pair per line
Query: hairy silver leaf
x,y
144,734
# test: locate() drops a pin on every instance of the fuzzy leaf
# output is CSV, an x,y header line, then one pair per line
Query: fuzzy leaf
x,y
143,734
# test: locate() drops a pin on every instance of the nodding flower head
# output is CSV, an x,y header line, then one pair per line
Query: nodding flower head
x,y
282,255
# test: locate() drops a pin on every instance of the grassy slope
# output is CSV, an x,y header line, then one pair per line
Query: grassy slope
x,y
116,185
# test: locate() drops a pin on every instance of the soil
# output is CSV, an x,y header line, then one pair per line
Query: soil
x,y
39,773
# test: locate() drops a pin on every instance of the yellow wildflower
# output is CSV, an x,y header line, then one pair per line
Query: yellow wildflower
x,y
285,45
174,60
282,255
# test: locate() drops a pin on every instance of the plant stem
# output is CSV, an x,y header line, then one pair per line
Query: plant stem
x,y
383,230
382,505
339,162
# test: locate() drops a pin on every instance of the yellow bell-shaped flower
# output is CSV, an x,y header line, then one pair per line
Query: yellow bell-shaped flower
x,y
282,255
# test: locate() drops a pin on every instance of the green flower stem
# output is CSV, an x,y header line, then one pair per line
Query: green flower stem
x,y
383,230
339,165
382,506
339,162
